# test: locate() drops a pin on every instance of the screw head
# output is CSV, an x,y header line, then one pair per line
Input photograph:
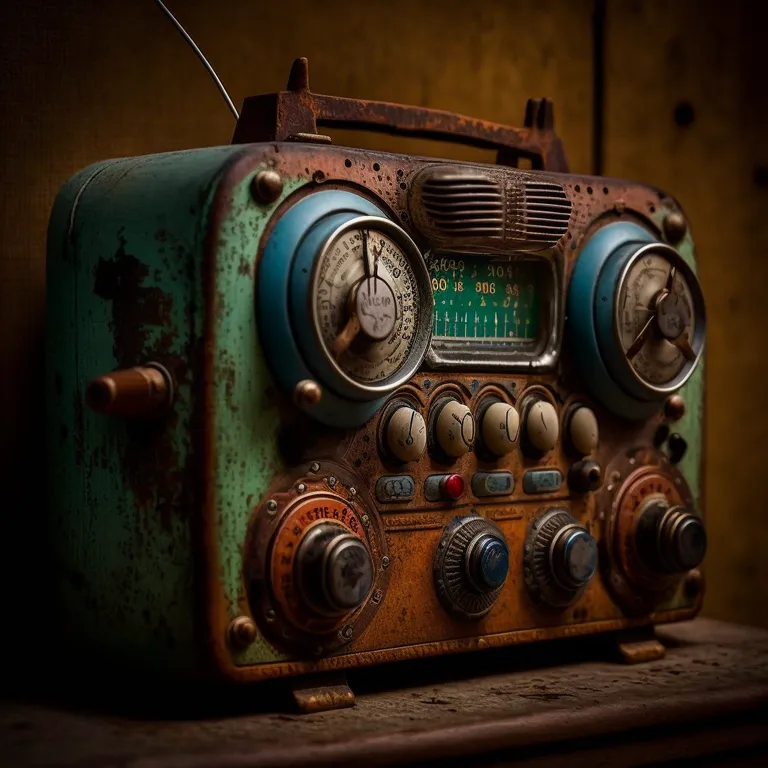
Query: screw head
x,y
301,488
332,481
385,562
674,407
366,520
314,466
675,227
307,393
693,583
346,631
352,491
241,632
269,614
271,506
266,186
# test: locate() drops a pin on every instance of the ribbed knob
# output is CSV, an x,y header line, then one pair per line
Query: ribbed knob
x,y
670,539
560,558
334,570
471,565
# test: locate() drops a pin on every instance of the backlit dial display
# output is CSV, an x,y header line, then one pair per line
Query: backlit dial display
x,y
485,300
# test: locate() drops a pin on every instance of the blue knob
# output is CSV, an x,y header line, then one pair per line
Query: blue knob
x,y
575,557
488,563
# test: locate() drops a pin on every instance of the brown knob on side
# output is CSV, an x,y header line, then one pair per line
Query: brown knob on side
x,y
132,392
585,476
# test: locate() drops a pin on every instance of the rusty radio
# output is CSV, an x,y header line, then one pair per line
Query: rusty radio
x,y
316,407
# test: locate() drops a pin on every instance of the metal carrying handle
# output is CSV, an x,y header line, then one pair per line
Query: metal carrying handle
x,y
296,113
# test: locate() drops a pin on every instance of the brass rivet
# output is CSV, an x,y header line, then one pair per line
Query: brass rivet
x,y
266,186
674,408
693,583
307,393
241,632
675,227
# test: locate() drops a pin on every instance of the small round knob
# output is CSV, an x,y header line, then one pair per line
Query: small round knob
x,y
471,565
500,428
583,430
670,539
452,487
574,556
455,429
406,434
560,558
542,426
334,570
375,307
585,476
487,562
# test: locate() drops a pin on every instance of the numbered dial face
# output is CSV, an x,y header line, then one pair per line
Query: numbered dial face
x,y
656,317
372,303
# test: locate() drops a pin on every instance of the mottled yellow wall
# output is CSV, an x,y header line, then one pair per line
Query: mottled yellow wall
x,y
87,80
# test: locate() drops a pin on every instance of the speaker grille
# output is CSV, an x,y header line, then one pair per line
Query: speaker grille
x,y
494,209
543,213
463,205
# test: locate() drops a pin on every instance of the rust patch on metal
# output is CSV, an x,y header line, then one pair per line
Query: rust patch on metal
x,y
134,306
323,693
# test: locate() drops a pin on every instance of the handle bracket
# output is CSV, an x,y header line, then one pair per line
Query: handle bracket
x,y
287,115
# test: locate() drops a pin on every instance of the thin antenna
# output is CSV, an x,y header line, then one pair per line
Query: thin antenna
x,y
202,58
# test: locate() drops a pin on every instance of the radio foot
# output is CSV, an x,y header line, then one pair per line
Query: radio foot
x,y
322,692
638,646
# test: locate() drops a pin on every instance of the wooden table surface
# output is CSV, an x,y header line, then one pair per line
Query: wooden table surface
x,y
528,705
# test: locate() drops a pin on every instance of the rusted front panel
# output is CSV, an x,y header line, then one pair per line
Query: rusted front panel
x,y
259,446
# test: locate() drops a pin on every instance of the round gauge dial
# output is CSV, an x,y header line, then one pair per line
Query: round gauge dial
x,y
659,317
371,303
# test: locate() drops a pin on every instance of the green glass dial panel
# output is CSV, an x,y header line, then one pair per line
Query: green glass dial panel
x,y
478,298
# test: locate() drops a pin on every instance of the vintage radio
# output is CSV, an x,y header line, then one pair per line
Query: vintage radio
x,y
316,407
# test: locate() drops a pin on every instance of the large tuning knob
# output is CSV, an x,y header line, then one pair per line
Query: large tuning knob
x,y
669,539
560,558
470,566
334,570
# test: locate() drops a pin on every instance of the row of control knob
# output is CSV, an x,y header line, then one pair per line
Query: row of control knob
x,y
559,559
453,428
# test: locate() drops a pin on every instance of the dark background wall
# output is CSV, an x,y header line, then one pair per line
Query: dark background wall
x,y
676,99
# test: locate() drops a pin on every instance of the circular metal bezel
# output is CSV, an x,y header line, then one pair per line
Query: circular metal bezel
x,y
422,331
700,321
455,589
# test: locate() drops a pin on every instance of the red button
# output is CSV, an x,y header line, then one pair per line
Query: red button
x,y
452,486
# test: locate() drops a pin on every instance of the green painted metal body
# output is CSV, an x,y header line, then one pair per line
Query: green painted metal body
x,y
125,287
135,275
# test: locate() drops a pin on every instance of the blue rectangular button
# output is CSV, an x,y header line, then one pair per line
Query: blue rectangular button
x,y
492,483
542,480
395,488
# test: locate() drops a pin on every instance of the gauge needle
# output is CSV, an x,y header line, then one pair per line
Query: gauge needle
x,y
346,337
682,343
641,338
670,278
369,263
409,439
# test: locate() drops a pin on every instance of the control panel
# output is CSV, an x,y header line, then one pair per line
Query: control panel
x,y
345,407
